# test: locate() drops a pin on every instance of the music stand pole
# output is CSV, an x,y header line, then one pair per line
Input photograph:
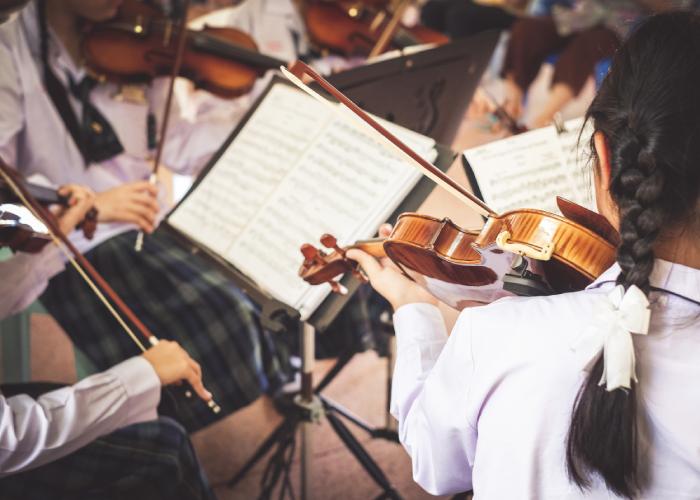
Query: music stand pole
x,y
308,401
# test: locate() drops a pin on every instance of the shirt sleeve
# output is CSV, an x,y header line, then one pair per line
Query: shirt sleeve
x,y
35,432
24,277
194,135
430,399
11,112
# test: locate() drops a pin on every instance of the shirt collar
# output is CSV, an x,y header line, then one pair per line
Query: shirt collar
x,y
58,56
668,276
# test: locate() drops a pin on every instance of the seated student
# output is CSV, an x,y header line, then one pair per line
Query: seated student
x,y
582,34
58,122
539,397
100,438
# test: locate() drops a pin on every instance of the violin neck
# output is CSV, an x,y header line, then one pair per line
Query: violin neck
x,y
374,247
44,195
216,45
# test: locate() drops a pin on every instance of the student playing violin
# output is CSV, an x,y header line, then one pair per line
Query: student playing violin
x,y
587,394
99,438
55,120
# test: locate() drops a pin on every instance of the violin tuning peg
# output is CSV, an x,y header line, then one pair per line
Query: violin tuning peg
x,y
309,251
330,241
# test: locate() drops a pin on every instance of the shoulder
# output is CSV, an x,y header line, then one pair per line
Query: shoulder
x,y
530,326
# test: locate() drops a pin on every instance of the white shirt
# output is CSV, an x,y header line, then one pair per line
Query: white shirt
x,y
35,432
489,407
35,140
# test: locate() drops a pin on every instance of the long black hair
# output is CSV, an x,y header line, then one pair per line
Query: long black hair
x,y
648,109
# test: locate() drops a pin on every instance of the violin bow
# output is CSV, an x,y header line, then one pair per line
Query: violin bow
x,y
297,72
181,39
88,273
390,29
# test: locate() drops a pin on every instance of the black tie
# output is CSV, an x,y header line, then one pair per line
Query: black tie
x,y
93,135
99,142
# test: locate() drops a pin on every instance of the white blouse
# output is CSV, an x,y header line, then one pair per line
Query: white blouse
x,y
489,406
36,432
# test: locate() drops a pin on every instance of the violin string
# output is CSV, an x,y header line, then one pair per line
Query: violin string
x,y
73,262
360,123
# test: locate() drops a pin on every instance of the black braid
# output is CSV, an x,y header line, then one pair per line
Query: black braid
x,y
647,110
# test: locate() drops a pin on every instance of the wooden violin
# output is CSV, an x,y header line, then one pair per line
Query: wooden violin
x,y
47,197
439,254
140,44
565,252
20,236
353,28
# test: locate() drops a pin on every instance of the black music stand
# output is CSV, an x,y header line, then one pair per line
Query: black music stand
x,y
309,405
427,91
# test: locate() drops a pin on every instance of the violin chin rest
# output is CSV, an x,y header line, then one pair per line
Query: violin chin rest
x,y
589,219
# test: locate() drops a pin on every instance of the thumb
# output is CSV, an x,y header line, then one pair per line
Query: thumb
x,y
369,264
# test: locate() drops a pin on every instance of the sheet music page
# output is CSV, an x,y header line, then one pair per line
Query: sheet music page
x,y
296,170
530,170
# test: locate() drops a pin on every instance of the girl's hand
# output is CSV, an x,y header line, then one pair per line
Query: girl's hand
x,y
135,202
80,202
172,364
388,280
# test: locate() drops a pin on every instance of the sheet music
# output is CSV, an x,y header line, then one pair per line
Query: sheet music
x,y
295,171
531,169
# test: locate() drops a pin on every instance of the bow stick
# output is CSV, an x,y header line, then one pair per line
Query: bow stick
x,y
88,273
182,37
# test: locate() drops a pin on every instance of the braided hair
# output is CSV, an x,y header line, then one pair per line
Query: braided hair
x,y
648,109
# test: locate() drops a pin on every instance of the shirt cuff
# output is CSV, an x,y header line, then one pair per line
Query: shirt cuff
x,y
142,387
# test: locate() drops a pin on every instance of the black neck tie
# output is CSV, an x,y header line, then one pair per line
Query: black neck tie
x,y
98,140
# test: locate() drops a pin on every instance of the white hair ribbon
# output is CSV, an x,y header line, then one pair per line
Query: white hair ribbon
x,y
625,313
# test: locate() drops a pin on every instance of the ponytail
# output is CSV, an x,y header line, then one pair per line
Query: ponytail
x,y
641,108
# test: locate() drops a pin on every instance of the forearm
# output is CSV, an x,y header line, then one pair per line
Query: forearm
x,y
24,277
35,432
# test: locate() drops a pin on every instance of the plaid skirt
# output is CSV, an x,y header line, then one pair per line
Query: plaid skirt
x,y
148,461
178,296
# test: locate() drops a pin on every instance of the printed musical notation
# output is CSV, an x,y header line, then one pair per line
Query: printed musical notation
x,y
296,170
531,169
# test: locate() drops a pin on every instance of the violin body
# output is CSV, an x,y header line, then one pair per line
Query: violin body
x,y
141,44
462,267
353,28
20,237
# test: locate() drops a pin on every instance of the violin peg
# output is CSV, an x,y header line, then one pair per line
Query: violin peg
x,y
309,251
330,241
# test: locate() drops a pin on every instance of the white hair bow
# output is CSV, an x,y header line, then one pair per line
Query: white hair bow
x,y
625,313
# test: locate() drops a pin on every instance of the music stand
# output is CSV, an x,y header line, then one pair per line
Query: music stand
x,y
427,91
309,405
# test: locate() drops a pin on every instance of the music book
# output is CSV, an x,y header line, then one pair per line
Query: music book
x,y
292,170
531,169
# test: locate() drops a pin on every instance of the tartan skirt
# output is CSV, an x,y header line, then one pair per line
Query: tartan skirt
x,y
178,296
147,461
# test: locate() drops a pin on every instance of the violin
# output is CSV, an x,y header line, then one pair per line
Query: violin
x,y
460,266
20,236
548,253
46,197
353,28
139,44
